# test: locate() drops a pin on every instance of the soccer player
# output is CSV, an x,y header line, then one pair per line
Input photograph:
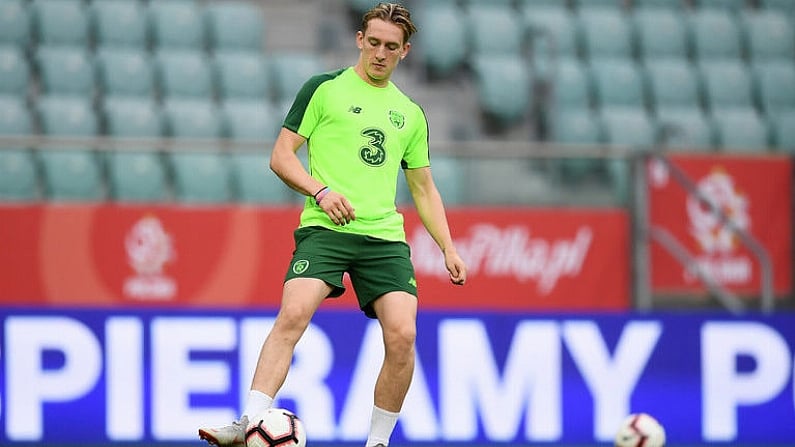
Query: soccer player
x,y
360,130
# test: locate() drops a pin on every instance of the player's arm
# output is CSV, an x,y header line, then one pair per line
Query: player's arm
x,y
430,208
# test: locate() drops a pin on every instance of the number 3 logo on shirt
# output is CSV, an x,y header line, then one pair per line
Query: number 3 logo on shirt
x,y
374,153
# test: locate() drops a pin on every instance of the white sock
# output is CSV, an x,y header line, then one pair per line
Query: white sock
x,y
257,401
382,423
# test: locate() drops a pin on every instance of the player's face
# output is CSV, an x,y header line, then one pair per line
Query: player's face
x,y
381,48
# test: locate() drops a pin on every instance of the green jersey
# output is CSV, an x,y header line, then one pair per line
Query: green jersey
x,y
359,137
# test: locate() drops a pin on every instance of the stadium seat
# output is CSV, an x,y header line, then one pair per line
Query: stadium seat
x,y
200,177
192,118
671,82
660,4
576,125
684,128
730,5
15,117
124,72
554,28
137,176
242,74
291,70
14,71
503,87
785,6
571,85
18,175
15,23
183,73
177,24
449,175
741,129
782,126
774,84
604,32
235,25
660,33
442,42
726,83
714,33
494,29
71,175
60,22
617,82
65,71
768,35
250,119
67,116
132,117
628,126
253,181
600,4
119,23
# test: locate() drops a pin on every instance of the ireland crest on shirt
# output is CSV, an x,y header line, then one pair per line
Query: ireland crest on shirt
x,y
397,119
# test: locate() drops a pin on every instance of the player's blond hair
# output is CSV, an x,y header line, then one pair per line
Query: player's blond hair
x,y
391,12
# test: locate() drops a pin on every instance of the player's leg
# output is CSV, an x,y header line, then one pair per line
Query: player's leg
x,y
300,299
397,314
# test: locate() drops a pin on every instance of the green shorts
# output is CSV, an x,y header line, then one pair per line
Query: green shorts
x,y
375,266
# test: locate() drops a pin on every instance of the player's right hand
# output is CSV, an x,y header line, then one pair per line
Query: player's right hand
x,y
337,208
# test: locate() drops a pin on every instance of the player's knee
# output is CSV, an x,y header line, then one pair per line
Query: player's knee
x,y
400,340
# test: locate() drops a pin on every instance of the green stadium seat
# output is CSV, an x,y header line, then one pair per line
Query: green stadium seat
x,y
200,177
768,35
774,85
119,23
60,22
571,86
741,129
600,4
132,117
177,24
503,84
192,118
242,74
685,128
660,33
628,126
782,127
605,32
124,72
785,6
235,25
442,44
183,73
254,182
291,70
554,28
137,176
66,116
542,3
71,175
617,82
15,117
15,23
14,71
448,174
576,125
65,70
494,29
726,83
250,119
18,175
730,5
671,82
714,34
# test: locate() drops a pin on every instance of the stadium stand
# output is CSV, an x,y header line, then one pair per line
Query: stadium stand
x,y
119,23
15,23
72,174
200,177
14,71
18,175
137,176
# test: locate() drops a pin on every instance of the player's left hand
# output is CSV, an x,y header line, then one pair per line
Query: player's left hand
x,y
456,266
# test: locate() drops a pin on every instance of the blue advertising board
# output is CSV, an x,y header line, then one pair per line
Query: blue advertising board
x,y
103,376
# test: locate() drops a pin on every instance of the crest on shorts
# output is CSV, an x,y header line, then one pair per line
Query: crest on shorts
x,y
300,266
397,119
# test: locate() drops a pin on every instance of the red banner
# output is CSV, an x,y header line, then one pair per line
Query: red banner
x,y
754,192
106,254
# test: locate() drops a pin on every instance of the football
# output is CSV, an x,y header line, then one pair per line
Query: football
x,y
640,430
275,427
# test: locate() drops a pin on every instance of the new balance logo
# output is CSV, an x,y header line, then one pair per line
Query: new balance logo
x,y
355,109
